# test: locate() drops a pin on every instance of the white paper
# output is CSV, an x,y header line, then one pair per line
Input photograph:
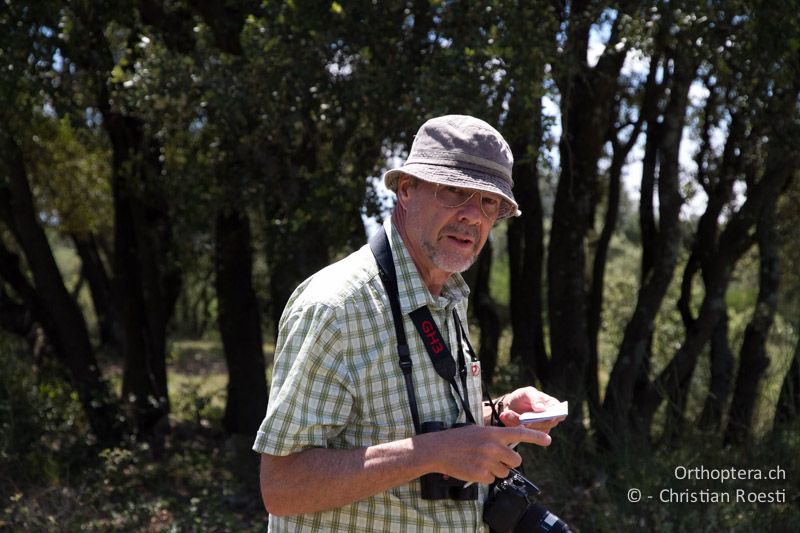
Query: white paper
x,y
554,411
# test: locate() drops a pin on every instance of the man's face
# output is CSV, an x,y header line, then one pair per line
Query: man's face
x,y
447,239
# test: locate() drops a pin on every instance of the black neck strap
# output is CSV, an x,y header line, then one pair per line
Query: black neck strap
x,y
437,349
440,354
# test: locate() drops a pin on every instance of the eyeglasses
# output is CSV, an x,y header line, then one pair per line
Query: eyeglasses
x,y
450,196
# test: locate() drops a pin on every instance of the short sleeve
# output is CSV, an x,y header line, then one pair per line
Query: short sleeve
x,y
310,398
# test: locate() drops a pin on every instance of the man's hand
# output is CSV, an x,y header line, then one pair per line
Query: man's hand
x,y
477,453
525,400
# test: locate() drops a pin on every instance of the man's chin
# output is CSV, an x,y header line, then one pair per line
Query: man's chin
x,y
454,264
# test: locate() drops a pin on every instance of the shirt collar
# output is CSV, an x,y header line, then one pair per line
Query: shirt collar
x,y
412,289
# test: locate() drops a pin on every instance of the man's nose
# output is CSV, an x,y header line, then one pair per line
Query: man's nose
x,y
471,211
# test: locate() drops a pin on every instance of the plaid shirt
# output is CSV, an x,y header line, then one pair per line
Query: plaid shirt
x,y
336,383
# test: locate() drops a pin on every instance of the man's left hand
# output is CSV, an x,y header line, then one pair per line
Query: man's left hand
x,y
525,400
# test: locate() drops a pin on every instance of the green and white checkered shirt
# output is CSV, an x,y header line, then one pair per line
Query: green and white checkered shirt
x,y
336,383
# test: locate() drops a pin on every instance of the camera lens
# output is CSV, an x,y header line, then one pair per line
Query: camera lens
x,y
538,518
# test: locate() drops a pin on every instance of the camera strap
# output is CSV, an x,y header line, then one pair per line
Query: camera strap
x,y
439,353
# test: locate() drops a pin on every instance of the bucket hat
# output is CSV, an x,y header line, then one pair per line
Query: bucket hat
x,y
462,151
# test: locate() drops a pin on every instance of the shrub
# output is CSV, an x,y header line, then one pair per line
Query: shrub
x,y
39,415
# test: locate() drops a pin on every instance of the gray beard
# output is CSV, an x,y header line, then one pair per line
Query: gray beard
x,y
448,262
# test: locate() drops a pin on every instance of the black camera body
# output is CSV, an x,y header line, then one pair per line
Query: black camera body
x,y
511,508
440,487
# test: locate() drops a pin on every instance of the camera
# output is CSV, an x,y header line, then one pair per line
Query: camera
x,y
511,508
440,487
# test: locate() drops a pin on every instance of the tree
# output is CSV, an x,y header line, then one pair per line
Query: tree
x,y
144,267
524,128
585,92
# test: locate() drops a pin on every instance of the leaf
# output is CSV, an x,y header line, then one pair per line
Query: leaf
x,y
117,74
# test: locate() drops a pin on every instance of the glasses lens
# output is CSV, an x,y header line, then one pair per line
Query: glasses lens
x,y
490,206
450,196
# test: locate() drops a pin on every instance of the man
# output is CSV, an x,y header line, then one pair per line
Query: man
x,y
339,446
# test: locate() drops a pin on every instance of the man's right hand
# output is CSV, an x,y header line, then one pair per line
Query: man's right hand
x,y
477,453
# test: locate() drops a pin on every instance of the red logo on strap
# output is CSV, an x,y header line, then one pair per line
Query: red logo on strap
x,y
433,340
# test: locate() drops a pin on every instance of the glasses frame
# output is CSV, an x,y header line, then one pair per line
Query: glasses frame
x,y
472,192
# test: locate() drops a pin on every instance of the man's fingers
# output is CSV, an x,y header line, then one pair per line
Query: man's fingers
x,y
523,434
500,472
509,418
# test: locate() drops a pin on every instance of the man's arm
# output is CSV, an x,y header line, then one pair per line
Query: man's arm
x,y
320,479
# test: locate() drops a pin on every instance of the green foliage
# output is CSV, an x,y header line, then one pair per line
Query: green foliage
x,y
51,480
789,230
192,488
70,170
500,276
198,381
621,285
39,418
196,308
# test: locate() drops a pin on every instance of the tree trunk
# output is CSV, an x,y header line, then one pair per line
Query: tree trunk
x,y
239,324
100,289
595,310
484,310
24,319
586,116
719,188
669,166
788,408
753,358
525,236
14,317
148,280
660,253
722,372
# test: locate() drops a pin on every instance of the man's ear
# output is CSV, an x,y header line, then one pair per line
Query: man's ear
x,y
404,184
